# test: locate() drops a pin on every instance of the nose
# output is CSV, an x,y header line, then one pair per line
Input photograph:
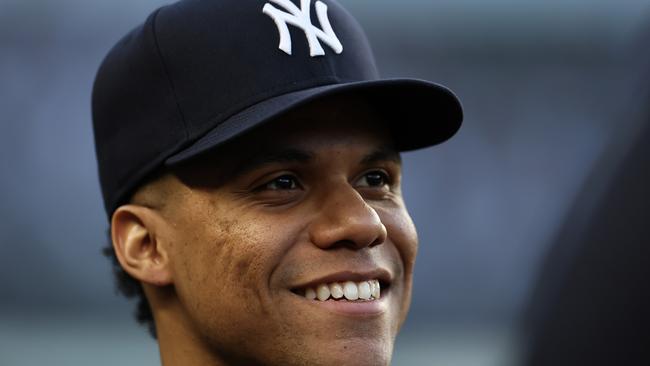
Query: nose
x,y
345,219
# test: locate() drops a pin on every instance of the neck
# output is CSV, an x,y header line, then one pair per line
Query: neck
x,y
179,342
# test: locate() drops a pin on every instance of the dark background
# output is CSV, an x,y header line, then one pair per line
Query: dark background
x,y
550,89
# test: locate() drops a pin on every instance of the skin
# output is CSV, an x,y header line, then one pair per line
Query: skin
x,y
219,248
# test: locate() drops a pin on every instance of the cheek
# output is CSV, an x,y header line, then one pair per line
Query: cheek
x,y
219,270
402,233
223,260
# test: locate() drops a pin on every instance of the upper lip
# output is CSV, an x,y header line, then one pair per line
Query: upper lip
x,y
380,274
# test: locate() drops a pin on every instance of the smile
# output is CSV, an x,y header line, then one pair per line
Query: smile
x,y
349,290
359,293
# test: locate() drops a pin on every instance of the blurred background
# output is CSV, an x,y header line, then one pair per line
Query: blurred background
x,y
551,89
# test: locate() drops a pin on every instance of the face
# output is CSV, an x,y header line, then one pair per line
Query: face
x,y
310,203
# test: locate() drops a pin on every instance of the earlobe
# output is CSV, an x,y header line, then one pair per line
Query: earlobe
x,y
138,248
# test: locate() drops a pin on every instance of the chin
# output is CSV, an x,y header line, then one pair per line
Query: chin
x,y
364,352
350,354
358,351
330,347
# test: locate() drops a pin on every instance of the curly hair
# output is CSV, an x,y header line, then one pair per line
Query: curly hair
x,y
130,288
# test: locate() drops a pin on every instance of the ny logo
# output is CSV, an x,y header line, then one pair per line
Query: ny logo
x,y
301,19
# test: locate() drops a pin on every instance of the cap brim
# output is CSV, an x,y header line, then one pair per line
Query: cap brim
x,y
420,113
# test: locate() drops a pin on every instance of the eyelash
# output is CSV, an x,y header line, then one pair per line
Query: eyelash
x,y
385,177
294,180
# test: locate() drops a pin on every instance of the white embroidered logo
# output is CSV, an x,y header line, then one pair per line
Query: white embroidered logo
x,y
301,19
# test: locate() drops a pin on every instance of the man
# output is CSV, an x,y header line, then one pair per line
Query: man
x,y
249,160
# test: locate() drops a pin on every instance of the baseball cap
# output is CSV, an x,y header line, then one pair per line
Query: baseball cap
x,y
198,73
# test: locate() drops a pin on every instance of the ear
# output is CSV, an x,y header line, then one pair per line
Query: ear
x,y
140,251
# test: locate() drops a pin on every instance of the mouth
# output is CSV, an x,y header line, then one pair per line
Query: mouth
x,y
348,293
368,290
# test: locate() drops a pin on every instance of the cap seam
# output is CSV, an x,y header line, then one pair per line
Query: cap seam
x,y
167,74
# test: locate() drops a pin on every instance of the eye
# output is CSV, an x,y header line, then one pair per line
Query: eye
x,y
283,182
373,179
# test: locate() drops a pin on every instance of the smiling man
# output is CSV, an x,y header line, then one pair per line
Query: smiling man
x,y
249,160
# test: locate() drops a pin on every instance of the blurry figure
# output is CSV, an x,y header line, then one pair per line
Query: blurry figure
x,y
592,303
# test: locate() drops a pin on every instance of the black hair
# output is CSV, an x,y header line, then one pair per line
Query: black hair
x,y
130,288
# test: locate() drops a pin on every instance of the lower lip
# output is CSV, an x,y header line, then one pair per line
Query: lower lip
x,y
350,308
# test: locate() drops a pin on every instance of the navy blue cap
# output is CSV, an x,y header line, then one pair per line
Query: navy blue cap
x,y
198,73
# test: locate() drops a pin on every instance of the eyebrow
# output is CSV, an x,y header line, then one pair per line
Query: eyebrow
x,y
293,155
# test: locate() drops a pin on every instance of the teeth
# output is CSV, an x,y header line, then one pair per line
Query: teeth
x,y
374,289
310,294
350,290
323,292
364,290
337,290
